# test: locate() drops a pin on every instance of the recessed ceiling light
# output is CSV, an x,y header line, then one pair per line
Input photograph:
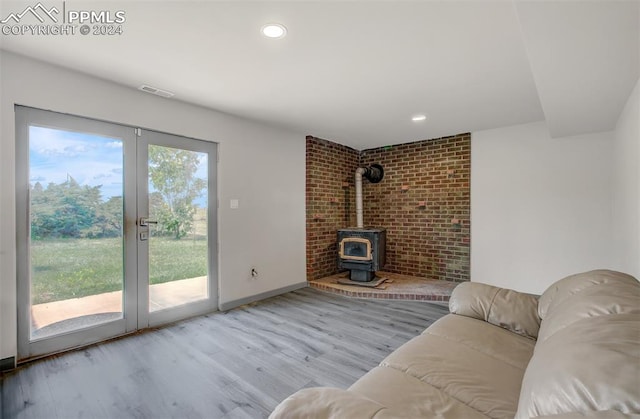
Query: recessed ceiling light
x,y
418,118
274,30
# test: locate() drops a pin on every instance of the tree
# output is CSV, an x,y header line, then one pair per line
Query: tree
x,y
109,218
65,210
172,173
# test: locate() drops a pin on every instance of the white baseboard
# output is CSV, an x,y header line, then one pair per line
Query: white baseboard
x,y
235,303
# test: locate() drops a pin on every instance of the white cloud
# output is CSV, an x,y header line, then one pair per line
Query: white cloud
x,y
114,144
90,159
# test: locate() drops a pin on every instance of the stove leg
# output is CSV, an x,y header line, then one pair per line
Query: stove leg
x,y
362,276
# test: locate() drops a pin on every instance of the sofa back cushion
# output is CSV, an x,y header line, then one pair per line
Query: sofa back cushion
x,y
509,309
587,356
586,295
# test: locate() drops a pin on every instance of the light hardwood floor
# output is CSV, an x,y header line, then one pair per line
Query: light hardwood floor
x,y
235,364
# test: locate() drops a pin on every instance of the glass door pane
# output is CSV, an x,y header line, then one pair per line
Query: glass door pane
x,y
177,236
76,233
76,230
178,251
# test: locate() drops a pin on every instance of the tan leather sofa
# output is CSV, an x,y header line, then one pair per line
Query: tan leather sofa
x,y
573,352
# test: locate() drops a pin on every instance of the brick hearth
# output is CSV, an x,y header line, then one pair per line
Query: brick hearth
x,y
402,287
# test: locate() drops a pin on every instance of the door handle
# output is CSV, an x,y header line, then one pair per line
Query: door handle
x,y
144,222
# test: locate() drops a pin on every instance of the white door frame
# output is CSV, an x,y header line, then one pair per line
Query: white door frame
x,y
136,284
145,317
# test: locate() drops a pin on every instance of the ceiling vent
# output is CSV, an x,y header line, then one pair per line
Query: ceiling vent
x,y
155,91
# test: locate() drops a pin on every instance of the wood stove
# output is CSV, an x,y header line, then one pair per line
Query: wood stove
x,y
362,251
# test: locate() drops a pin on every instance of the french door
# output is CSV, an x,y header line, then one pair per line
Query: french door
x,y
116,230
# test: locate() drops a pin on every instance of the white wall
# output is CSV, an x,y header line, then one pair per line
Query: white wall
x,y
262,166
626,188
540,207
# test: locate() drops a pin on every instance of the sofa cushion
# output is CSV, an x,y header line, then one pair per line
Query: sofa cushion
x,y
587,357
586,295
326,403
465,359
406,396
396,395
559,291
502,307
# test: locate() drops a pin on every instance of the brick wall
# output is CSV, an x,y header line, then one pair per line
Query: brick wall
x,y
423,202
330,202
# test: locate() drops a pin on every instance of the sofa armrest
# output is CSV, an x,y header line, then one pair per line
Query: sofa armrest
x,y
326,403
509,309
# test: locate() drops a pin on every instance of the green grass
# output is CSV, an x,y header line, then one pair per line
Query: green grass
x,y
73,268
172,259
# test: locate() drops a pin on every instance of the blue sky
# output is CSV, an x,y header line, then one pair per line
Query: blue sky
x,y
90,159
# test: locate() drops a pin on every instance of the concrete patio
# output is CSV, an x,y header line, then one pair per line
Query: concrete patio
x,y
161,296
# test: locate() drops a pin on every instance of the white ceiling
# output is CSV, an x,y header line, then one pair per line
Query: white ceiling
x,y
356,71
584,58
